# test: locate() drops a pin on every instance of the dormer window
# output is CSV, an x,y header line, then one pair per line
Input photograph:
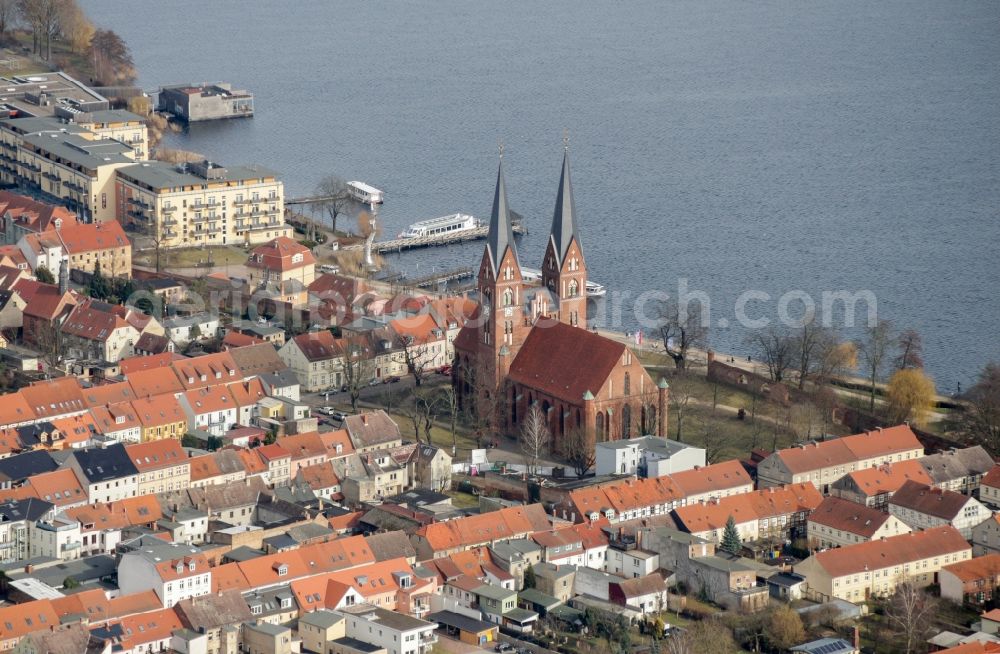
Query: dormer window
x,y
297,257
179,568
281,569
191,565
204,377
286,602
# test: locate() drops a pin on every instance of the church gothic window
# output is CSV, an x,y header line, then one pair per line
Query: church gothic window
x,y
627,385
508,298
626,421
574,288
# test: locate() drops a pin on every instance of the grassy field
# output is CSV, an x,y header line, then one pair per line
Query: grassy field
x,y
222,255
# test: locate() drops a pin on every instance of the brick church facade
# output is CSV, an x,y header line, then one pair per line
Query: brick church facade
x,y
530,346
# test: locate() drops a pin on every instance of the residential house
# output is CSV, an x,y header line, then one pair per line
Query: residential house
x,y
646,456
499,606
444,538
959,470
971,582
372,430
278,461
96,246
211,408
160,416
770,513
857,572
16,517
319,629
174,572
163,466
21,214
874,486
118,422
207,370
836,523
181,330
107,473
60,487
646,594
921,506
727,580
395,632
284,267
218,615
823,463
986,536
989,488
316,358
11,310
626,557
94,332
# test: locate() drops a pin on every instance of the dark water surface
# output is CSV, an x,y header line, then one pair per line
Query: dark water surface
x,y
772,145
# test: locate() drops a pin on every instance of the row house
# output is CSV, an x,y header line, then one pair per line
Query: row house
x,y
960,470
174,572
823,463
211,409
921,506
207,370
972,582
21,214
626,556
16,517
989,488
444,538
161,417
770,513
118,422
986,536
163,466
219,468
316,358
278,462
874,486
837,523
61,487
107,473
858,572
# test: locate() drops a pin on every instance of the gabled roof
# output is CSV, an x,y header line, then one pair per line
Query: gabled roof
x,y
112,418
886,478
957,464
371,428
564,229
90,322
281,254
840,451
46,302
992,478
474,530
501,234
156,381
159,410
32,215
891,552
318,345
930,500
207,370
27,464
303,446
54,397
980,567
155,344
154,455
848,516
61,487
104,394
257,359
100,464
80,238
748,507
211,399
565,362
716,477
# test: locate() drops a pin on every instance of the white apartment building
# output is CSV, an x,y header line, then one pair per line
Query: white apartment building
x,y
173,571
397,633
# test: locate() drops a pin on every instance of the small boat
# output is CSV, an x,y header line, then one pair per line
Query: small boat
x,y
364,193
452,224
594,289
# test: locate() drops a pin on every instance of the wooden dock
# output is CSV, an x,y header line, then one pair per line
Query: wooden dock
x,y
435,279
400,244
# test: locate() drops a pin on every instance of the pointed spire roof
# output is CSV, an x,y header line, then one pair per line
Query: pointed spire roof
x,y
501,234
564,219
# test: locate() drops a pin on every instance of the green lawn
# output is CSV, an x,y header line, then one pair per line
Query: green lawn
x,y
222,255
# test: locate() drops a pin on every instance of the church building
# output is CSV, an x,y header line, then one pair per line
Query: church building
x,y
529,345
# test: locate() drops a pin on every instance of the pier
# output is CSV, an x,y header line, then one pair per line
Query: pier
x,y
434,279
400,244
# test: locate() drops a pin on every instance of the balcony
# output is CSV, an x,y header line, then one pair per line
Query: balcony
x,y
168,208
169,222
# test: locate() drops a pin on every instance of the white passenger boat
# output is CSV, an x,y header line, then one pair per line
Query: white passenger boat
x,y
534,275
453,224
364,193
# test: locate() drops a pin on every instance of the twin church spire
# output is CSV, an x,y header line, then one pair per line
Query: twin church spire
x,y
563,270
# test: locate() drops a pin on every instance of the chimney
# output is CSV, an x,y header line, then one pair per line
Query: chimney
x,y
364,419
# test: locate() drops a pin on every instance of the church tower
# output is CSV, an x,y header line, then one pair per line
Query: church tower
x,y
501,292
564,272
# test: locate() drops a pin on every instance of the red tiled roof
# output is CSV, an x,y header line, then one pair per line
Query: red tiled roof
x,y
888,478
892,551
868,445
484,528
848,516
746,507
980,567
318,345
930,500
278,254
153,455
563,361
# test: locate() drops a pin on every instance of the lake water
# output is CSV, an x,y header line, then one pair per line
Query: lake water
x,y
772,145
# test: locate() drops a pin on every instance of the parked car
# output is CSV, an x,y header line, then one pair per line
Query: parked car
x,y
503,647
339,416
374,382
444,370
391,380
326,410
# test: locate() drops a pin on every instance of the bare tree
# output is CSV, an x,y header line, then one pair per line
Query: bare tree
x,y
681,331
578,451
112,60
51,345
451,406
682,392
535,438
418,359
46,19
358,369
911,613
8,16
776,348
911,349
874,349
337,198
819,353
701,637
981,419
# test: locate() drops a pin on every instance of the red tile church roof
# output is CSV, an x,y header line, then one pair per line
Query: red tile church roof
x,y
565,362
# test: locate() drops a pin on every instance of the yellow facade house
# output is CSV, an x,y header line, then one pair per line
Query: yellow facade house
x,y
857,572
201,203
161,416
